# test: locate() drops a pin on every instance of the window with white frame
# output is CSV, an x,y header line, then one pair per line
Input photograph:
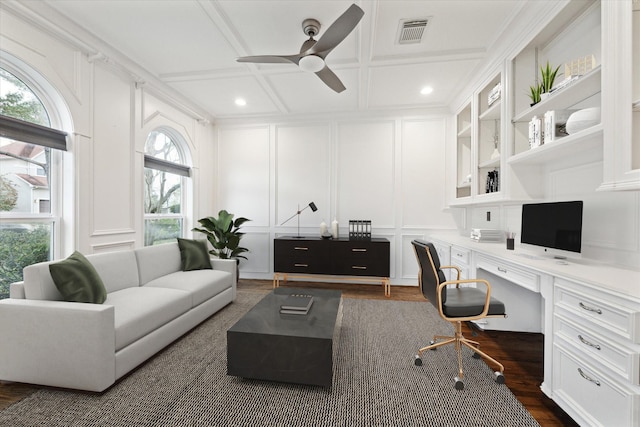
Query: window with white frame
x,y
165,178
30,155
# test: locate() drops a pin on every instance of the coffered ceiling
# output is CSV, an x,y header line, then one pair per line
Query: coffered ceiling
x,y
192,46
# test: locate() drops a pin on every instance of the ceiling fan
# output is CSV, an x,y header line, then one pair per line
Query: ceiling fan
x,y
312,53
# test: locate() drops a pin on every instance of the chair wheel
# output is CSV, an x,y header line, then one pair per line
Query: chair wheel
x,y
459,384
418,361
432,342
499,377
476,355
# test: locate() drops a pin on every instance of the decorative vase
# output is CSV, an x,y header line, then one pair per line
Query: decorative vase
x,y
334,229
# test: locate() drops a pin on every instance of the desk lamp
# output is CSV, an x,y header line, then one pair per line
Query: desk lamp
x,y
310,205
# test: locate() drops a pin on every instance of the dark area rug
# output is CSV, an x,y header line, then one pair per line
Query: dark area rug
x,y
375,382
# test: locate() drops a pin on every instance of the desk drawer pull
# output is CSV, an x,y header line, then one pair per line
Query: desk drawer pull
x,y
301,248
590,344
301,265
586,307
588,378
358,267
502,270
358,250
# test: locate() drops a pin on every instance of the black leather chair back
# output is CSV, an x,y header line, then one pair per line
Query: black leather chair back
x,y
430,275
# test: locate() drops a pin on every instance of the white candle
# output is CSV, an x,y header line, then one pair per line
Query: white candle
x,y
323,228
334,229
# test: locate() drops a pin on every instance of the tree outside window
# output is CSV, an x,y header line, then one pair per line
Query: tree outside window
x,y
164,176
25,193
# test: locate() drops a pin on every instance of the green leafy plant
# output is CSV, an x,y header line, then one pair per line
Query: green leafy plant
x,y
548,77
224,235
534,93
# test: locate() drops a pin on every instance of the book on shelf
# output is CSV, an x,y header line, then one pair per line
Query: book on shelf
x,y
296,304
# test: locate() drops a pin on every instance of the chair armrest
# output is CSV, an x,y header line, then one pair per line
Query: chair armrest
x,y
453,267
57,343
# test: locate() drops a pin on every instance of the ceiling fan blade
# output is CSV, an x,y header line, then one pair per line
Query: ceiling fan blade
x,y
338,31
270,59
330,79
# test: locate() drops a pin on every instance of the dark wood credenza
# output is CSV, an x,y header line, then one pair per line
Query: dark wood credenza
x,y
353,260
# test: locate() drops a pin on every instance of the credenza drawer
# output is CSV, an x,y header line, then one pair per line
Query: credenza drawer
x,y
623,360
590,393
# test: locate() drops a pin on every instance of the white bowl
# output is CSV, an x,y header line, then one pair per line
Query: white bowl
x,y
583,119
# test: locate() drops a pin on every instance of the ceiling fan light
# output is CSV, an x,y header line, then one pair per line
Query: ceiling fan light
x,y
311,63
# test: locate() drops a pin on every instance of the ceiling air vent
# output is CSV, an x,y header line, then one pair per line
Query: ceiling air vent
x,y
412,30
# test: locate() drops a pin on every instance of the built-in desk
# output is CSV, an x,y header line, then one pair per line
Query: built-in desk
x,y
589,314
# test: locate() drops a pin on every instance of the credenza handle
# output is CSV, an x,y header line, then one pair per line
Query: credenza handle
x,y
301,265
300,248
588,378
503,270
358,250
358,267
590,344
586,307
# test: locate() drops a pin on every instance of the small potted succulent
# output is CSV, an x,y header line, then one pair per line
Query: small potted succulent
x,y
548,77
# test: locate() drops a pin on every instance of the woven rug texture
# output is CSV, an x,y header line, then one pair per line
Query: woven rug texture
x,y
375,382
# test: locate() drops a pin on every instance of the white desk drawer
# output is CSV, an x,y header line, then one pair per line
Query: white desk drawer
x,y
620,359
526,279
603,313
459,255
595,397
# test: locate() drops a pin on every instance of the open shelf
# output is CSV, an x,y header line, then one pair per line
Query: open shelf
x,y
579,90
580,147
465,132
493,112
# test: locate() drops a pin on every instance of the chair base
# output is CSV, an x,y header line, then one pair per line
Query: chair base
x,y
459,340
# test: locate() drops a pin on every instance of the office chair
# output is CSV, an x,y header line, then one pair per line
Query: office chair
x,y
456,305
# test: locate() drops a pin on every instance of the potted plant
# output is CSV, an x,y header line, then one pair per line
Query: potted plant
x,y
548,77
224,235
534,93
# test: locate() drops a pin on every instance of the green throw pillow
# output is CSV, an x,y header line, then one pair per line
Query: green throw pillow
x,y
194,254
77,280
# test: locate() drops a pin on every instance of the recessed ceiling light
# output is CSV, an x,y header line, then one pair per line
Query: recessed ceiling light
x,y
426,90
240,102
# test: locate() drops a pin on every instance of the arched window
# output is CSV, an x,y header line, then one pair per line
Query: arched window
x,y
165,175
30,155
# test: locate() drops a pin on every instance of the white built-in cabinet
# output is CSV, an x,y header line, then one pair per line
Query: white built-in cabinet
x,y
621,94
478,145
463,153
496,137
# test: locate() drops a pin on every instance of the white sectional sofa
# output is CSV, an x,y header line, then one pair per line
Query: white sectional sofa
x,y
150,302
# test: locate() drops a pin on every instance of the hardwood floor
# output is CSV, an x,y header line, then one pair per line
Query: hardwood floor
x,y
520,353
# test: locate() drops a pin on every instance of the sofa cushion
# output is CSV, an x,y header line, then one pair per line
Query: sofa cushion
x,y
157,261
194,254
77,280
201,284
141,310
118,270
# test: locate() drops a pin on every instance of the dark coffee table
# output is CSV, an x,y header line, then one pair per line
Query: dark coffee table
x,y
267,345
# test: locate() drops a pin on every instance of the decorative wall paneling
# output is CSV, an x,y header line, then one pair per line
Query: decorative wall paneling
x,y
389,171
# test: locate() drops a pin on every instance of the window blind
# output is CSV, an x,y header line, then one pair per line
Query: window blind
x,y
165,166
32,133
